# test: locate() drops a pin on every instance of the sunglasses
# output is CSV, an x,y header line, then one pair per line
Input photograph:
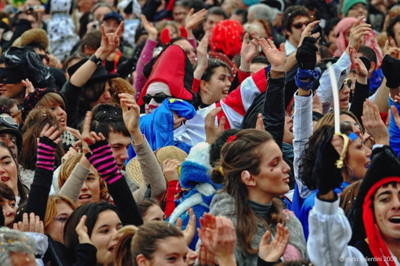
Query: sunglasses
x,y
43,56
158,97
348,82
300,25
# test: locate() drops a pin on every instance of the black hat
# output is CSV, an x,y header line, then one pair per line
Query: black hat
x,y
113,15
100,75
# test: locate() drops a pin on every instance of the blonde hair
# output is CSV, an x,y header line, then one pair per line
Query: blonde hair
x,y
163,24
68,166
51,208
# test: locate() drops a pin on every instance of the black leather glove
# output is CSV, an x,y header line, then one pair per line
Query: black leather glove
x,y
325,173
391,71
306,54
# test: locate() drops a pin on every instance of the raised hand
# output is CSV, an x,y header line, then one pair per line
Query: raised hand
x,y
219,237
82,231
373,123
190,229
28,85
391,49
193,19
357,32
170,169
206,257
149,27
361,70
306,54
248,51
89,137
131,115
30,223
110,41
202,56
260,122
276,57
212,131
51,132
47,143
307,32
272,250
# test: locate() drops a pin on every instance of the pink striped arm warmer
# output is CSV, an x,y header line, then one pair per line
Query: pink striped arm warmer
x,y
103,160
46,154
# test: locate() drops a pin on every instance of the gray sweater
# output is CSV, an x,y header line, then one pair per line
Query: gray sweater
x,y
224,205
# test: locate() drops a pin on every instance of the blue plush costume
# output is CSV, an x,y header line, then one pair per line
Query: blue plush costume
x,y
195,179
158,127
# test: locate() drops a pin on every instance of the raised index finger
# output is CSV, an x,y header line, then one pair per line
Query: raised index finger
x,y
120,29
86,124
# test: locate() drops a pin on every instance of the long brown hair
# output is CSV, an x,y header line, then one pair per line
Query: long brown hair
x,y
33,125
242,152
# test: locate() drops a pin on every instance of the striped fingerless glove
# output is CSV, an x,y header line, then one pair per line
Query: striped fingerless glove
x,y
46,153
102,159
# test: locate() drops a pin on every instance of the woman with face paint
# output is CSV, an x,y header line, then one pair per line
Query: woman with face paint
x,y
254,175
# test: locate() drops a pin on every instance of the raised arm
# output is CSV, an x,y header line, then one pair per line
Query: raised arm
x,y
40,188
109,42
306,75
361,90
326,219
274,107
151,170
342,66
100,156
73,184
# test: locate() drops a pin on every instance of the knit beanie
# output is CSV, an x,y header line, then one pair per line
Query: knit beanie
x,y
348,4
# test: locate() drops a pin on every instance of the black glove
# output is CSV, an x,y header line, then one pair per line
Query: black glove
x,y
391,71
325,173
306,54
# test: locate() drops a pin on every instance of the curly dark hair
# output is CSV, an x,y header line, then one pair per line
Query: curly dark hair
x,y
309,156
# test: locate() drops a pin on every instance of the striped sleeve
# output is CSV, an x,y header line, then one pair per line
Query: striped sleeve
x,y
46,154
103,160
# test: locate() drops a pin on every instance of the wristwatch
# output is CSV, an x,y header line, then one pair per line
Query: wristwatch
x,y
96,60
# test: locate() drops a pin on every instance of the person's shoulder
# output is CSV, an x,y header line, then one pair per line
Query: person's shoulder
x,y
222,204
291,219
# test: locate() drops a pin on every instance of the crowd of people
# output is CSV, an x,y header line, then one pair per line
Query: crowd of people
x,y
200,132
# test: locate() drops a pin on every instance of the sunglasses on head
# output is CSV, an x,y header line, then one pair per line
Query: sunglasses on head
x,y
300,25
158,97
